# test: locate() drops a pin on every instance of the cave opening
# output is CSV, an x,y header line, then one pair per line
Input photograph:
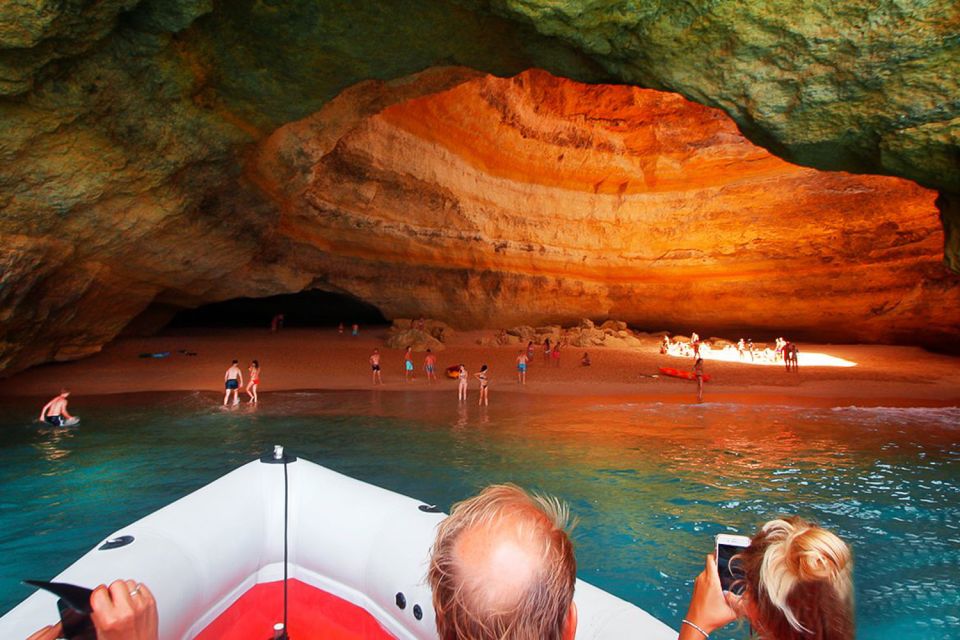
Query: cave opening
x,y
310,308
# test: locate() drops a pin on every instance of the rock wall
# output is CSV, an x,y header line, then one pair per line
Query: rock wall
x,y
536,199
135,137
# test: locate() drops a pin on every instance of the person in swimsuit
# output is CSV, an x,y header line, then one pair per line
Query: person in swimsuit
x,y
55,412
546,350
254,381
408,365
430,366
375,366
521,367
529,352
355,330
232,380
462,388
585,360
556,353
484,384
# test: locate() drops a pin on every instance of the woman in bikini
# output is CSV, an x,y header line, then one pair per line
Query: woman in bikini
x,y
484,383
462,391
254,381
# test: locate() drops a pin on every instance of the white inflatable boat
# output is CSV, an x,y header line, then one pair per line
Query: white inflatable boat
x,y
357,563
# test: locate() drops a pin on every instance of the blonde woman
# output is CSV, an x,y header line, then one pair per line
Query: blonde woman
x,y
798,585
254,382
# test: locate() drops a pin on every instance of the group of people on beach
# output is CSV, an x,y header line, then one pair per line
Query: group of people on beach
x,y
783,350
502,567
233,380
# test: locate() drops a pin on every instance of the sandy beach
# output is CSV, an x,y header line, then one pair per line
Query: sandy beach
x,y
297,359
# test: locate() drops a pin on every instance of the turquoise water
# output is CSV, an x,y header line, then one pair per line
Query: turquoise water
x,y
650,483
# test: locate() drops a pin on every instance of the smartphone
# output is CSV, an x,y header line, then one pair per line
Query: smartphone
x,y
731,574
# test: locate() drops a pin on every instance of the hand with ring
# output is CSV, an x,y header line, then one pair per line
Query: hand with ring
x,y
125,611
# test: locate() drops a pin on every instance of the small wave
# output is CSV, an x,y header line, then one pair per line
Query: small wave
x,y
949,416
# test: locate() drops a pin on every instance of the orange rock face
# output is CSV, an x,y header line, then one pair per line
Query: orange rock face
x,y
537,199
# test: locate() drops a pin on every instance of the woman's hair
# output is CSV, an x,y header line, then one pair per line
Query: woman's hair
x,y
483,368
256,364
799,581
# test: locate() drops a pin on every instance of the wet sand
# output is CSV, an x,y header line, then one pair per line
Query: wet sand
x,y
296,359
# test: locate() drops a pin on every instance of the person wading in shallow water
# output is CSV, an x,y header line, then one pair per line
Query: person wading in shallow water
x,y
232,380
375,366
254,382
55,412
484,386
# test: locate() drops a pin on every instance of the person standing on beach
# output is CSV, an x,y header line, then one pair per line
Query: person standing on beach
x,y
55,412
521,367
546,350
408,364
355,330
556,354
232,380
585,360
462,390
254,381
484,386
529,351
375,366
430,366
698,371
340,329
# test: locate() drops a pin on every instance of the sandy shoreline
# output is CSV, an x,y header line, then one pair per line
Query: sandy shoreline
x,y
302,359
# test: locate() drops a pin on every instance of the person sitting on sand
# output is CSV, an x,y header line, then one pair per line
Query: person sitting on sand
x,y
408,365
798,585
55,412
521,367
430,366
232,380
462,377
585,360
375,366
126,610
254,382
484,385
502,567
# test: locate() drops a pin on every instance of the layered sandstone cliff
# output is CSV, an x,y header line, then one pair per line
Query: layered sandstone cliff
x,y
536,199
145,159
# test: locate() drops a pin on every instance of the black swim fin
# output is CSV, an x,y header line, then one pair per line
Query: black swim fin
x,y
75,596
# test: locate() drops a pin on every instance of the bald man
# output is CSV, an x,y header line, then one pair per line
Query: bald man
x,y
503,568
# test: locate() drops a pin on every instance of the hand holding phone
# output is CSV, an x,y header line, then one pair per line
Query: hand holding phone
x,y
731,574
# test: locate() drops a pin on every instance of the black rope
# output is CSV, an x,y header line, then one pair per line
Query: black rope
x,y
286,500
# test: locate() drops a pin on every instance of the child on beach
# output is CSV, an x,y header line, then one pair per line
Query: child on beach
x,y
375,366
521,367
484,384
430,366
232,380
408,364
254,381
462,390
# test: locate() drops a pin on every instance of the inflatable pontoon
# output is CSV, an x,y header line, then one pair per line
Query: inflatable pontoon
x,y
357,558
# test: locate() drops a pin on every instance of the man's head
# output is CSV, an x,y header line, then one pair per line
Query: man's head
x,y
64,392
503,568
234,362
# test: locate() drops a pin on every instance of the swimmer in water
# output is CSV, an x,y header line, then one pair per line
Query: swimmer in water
x,y
55,412
484,386
254,381
462,390
232,380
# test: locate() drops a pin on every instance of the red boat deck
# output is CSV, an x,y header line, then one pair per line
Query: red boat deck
x,y
312,613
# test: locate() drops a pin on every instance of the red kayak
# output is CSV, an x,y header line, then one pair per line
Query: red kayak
x,y
686,375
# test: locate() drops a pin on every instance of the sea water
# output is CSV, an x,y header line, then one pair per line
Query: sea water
x,y
650,483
